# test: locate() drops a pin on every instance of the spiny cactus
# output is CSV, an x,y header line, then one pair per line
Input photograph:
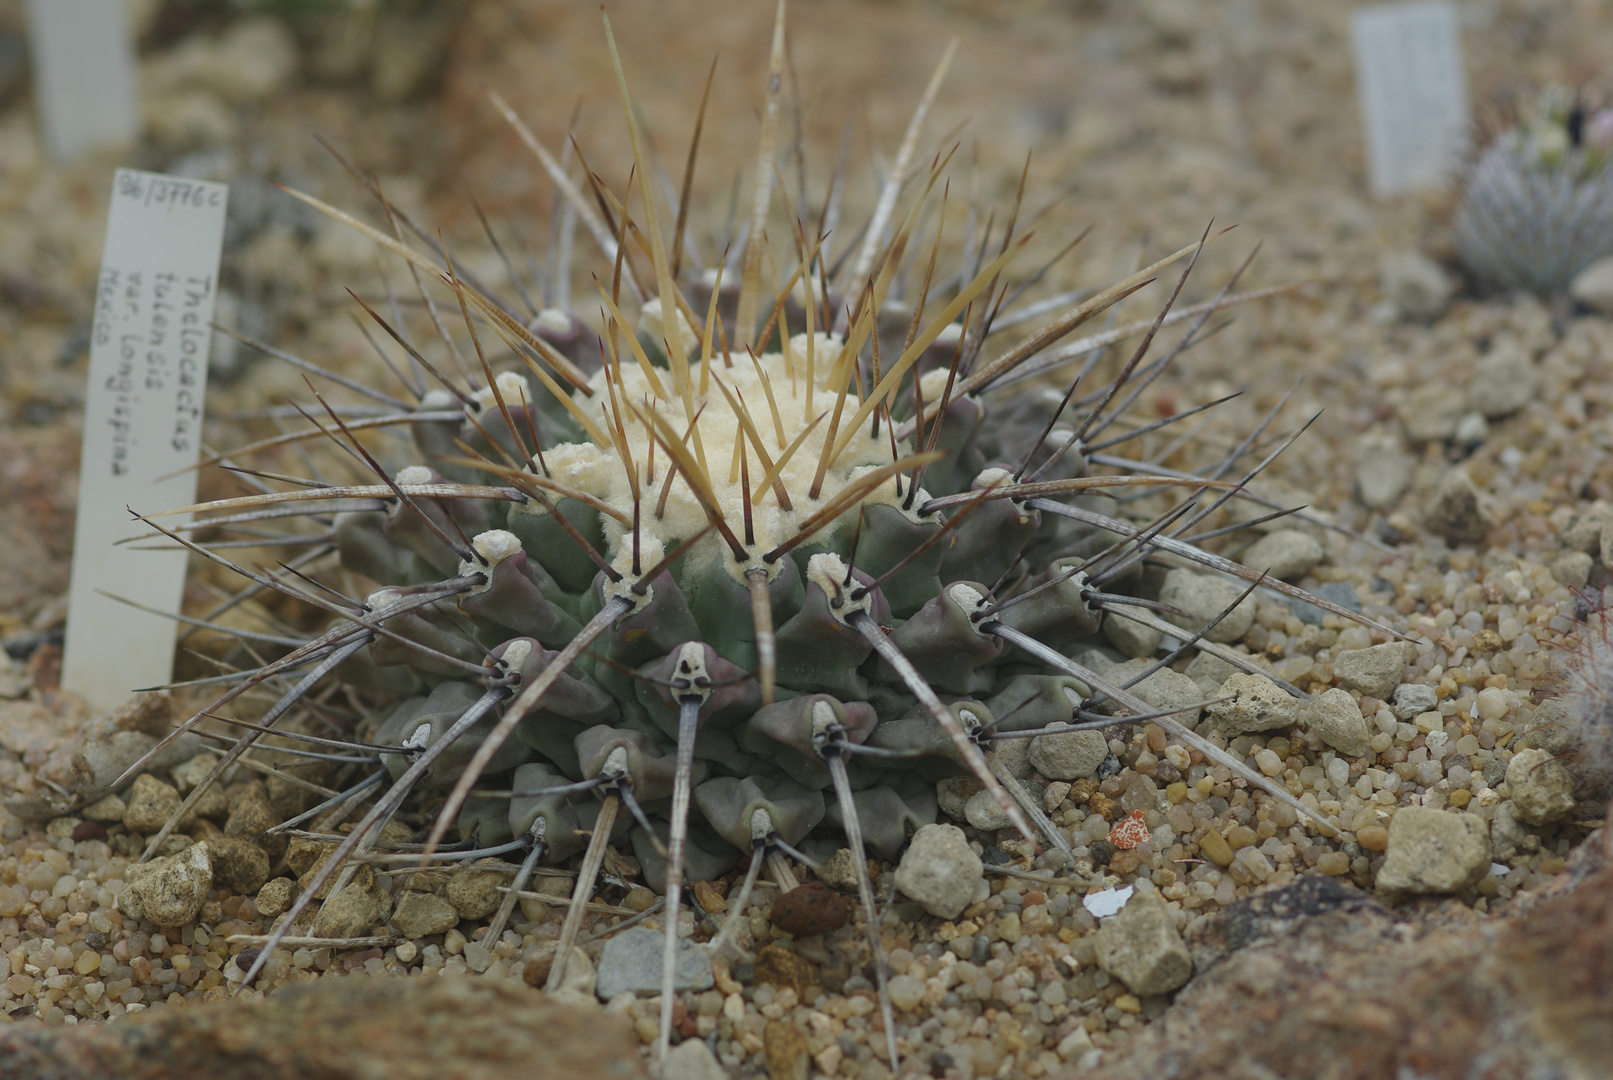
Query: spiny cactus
x,y
1537,203
761,564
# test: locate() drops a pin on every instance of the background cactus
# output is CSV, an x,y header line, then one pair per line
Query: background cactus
x,y
731,588
1537,204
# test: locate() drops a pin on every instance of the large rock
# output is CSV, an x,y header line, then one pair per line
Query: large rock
x,y
1504,380
1201,597
1374,671
1337,718
1141,947
168,891
1542,790
1068,755
1382,470
1434,851
1593,286
1255,704
632,961
939,870
1417,286
421,914
1285,554
151,803
1457,512
340,1029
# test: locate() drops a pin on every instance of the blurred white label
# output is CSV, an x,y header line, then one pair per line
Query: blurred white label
x,y
1408,74
142,422
84,74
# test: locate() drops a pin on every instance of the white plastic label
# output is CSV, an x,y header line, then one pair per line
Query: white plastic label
x,y
142,424
1408,73
83,59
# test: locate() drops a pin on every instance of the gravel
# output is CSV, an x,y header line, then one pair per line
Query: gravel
x,y
1336,718
1375,671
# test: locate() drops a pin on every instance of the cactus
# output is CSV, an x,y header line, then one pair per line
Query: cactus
x,y
1537,203
711,592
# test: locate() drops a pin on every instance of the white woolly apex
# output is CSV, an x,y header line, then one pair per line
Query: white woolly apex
x,y
652,324
516,653
992,477
496,545
823,718
600,471
691,659
934,383
615,763
437,398
761,824
418,737
512,387
553,320
826,571
1072,697
650,552
380,598
968,718
413,474
966,596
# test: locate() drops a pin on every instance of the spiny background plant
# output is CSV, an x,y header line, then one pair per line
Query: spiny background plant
x,y
1537,203
763,564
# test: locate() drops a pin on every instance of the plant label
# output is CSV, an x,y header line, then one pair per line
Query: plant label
x,y
142,429
1408,74
84,74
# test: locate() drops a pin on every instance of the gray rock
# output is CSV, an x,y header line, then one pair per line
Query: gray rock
x,y
1414,698
190,773
1572,569
352,911
1167,689
1201,598
1584,530
1285,554
1550,729
1141,947
1504,380
1256,704
983,813
1431,412
1382,470
631,961
840,872
1069,755
953,794
168,891
1508,835
421,914
1457,513
939,870
1340,593
1593,286
690,1060
1374,671
151,804
1542,790
1131,638
1337,718
1434,851
1415,284
1015,756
